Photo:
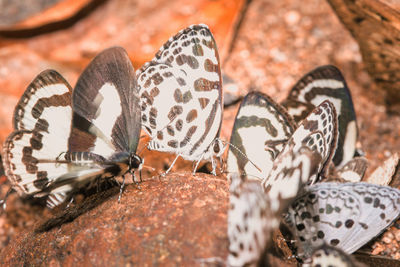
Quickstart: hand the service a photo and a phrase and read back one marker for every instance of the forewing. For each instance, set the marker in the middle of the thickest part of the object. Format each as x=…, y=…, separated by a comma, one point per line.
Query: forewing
x=346, y=216
x=261, y=129
x=250, y=224
x=291, y=171
x=106, y=106
x=193, y=53
x=45, y=106
x=318, y=132
x=326, y=83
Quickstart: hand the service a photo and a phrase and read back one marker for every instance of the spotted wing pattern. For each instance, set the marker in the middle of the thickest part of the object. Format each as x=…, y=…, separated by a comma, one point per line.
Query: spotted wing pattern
x=42, y=123
x=250, y=224
x=181, y=95
x=328, y=256
x=261, y=129
x=343, y=215
x=326, y=83
x=317, y=132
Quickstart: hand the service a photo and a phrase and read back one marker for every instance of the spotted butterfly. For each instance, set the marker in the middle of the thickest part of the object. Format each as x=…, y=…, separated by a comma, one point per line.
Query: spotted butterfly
x=343, y=215
x=253, y=214
x=261, y=129
x=326, y=83
x=328, y=256
x=181, y=97
x=318, y=132
x=64, y=140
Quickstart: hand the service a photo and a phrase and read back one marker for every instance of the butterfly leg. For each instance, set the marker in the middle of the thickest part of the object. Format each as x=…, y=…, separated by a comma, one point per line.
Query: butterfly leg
x=121, y=188
x=170, y=167
x=197, y=164
x=3, y=201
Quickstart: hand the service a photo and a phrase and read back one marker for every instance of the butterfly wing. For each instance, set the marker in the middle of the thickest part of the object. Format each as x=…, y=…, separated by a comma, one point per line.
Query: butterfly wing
x=250, y=224
x=318, y=132
x=42, y=121
x=346, y=216
x=166, y=103
x=290, y=172
x=353, y=170
x=106, y=106
x=328, y=256
x=326, y=83
x=193, y=53
x=261, y=129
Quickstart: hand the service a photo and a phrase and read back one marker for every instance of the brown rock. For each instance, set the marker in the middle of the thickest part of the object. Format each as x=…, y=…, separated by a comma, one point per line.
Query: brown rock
x=176, y=221
x=375, y=26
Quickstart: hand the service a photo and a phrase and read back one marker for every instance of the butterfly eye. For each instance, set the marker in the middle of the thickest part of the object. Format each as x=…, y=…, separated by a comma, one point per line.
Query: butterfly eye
x=135, y=161
x=217, y=148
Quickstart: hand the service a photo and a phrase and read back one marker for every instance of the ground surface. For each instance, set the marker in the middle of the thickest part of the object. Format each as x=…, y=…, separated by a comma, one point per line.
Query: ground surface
x=275, y=43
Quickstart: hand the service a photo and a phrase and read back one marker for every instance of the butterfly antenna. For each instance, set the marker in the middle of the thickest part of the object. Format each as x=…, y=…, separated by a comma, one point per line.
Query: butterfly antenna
x=248, y=175
x=241, y=153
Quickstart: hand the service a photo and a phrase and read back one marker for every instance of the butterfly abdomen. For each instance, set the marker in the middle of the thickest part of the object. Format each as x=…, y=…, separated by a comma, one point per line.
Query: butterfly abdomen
x=83, y=158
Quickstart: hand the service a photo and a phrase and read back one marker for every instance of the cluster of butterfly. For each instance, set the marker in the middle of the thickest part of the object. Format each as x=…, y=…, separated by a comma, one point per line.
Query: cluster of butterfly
x=295, y=164
x=68, y=139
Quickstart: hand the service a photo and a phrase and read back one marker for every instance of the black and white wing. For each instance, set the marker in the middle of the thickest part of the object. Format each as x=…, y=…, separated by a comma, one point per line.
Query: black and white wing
x=326, y=83
x=42, y=123
x=181, y=95
x=328, y=256
x=250, y=224
x=106, y=109
x=353, y=170
x=343, y=215
x=261, y=129
x=291, y=171
x=254, y=213
x=318, y=132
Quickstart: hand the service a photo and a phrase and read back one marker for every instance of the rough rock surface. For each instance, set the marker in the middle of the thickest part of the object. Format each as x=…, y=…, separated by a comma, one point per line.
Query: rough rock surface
x=178, y=220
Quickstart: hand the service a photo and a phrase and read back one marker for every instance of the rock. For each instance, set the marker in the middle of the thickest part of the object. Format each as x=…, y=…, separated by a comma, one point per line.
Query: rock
x=178, y=220
x=375, y=26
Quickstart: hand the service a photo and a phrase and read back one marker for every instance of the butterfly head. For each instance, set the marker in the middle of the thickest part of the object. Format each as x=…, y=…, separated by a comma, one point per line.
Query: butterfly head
x=135, y=162
x=218, y=147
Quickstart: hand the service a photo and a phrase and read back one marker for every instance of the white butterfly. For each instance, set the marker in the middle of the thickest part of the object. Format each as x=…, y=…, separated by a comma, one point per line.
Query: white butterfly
x=181, y=97
x=63, y=141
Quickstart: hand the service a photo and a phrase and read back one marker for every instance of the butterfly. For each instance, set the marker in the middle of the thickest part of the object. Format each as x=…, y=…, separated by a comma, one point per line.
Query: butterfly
x=64, y=140
x=343, y=215
x=181, y=97
x=328, y=256
x=261, y=129
x=254, y=214
x=326, y=83
x=318, y=132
